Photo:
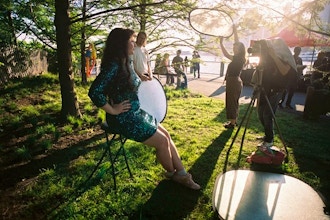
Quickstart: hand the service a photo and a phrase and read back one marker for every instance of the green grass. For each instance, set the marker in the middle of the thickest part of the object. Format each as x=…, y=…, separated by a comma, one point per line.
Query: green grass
x=49, y=162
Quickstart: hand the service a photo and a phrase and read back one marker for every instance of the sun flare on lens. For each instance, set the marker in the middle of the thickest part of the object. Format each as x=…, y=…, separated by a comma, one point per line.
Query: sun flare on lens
x=254, y=61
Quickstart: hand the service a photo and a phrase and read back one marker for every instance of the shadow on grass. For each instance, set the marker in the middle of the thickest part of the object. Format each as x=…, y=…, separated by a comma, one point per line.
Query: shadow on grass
x=36, y=83
x=24, y=133
x=171, y=200
x=315, y=167
x=309, y=142
x=13, y=175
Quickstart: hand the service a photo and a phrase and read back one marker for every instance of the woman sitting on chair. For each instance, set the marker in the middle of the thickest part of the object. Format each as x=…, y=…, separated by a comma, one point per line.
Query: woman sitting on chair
x=115, y=91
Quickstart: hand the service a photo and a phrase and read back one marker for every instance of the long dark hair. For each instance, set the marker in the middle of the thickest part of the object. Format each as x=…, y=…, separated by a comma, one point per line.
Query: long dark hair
x=241, y=51
x=115, y=50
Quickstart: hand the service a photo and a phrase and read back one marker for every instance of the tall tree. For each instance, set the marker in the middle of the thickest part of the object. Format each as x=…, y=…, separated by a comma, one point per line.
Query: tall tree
x=7, y=26
x=166, y=24
x=83, y=45
x=63, y=32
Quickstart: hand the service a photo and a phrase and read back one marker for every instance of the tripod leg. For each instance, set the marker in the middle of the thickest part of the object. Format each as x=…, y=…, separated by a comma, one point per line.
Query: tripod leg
x=278, y=128
x=235, y=136
x=243, y=137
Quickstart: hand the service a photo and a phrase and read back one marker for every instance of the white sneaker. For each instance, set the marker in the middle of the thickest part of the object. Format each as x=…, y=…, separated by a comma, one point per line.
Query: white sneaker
x=265, y=147
x=260, y=138
x=186, y=180
x=266, y=144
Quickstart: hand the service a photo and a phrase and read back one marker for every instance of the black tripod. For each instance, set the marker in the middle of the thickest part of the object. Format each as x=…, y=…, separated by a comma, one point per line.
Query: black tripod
x=259, y=90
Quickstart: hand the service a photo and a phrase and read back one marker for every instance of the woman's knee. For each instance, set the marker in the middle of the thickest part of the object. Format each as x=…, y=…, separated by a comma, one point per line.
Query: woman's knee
x=164, y=131
x=167, y=135
x=164, y=140
x=158, y=140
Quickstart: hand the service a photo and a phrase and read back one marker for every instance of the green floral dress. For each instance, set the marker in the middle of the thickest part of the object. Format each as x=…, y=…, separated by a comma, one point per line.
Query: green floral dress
x=136, y=124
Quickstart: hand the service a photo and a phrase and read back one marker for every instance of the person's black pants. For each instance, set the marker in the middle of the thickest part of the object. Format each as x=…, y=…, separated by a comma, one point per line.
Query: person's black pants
x=265, y=115
x=290, y=92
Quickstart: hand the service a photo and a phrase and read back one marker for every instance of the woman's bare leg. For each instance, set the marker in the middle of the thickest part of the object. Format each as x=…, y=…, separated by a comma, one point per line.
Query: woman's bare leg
x=161, y=142
x=176, y=160
x=169, y=158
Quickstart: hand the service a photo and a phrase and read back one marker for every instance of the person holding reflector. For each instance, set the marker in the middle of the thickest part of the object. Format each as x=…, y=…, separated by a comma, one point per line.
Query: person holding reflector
x=234, y=83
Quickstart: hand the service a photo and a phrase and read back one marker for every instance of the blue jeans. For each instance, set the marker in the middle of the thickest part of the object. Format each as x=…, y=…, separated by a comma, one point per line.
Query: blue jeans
x=265, y=115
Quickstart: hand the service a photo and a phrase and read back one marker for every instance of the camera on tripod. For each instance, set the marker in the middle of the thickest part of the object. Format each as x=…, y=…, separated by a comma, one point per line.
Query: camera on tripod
x=257, y=59
x=255, y=49
x=260, y=49
x=267, y=74
x=254, y=52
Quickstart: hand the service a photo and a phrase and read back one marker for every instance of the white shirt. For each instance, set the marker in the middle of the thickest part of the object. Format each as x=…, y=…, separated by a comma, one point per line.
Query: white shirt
x=141, y=60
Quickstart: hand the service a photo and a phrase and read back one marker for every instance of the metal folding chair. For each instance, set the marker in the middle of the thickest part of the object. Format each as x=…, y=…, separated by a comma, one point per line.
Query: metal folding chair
x=114, y=155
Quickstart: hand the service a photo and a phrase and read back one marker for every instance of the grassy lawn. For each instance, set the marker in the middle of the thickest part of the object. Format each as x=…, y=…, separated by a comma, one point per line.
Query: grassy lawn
x=45, y=164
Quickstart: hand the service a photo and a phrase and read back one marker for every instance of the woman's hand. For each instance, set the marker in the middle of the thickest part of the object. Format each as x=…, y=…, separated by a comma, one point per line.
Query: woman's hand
x=120, y=107
x=145, y=77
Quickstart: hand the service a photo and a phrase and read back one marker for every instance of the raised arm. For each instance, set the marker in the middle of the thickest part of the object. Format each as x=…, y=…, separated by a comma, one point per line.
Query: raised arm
x=235, y=34
x=224, y=51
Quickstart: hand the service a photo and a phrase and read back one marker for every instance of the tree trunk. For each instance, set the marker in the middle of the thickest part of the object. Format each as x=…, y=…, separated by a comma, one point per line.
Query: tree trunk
x=12, y=28
x=82, y=47
x=66, y=77
x=143, y=20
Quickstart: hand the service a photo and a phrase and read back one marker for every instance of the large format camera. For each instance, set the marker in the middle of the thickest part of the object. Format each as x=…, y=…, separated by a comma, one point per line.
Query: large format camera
x=260, y=60
x=266, y=73
x=255, y=49
x=259, y=49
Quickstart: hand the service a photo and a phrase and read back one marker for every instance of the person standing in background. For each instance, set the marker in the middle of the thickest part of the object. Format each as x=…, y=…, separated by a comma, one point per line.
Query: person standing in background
x=90, y=59
x=294, y=81
x=166, y=70
x=178, y=66
x=234, y=83
x=196, y=63
x=141, y=60
x=157, y=69
x=186, y=64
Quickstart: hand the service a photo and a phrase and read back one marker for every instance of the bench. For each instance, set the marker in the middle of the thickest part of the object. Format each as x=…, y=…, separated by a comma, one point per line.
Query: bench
x=181, y=85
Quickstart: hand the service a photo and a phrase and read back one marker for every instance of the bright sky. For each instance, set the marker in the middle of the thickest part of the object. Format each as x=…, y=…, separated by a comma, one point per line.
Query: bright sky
x=279, y=5
x=282, y=6
x=275, y=3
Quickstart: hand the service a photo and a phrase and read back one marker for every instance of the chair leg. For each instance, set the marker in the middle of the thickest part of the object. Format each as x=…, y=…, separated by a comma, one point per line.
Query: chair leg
x=123, y=140
x=112, y=160
x=114, y=157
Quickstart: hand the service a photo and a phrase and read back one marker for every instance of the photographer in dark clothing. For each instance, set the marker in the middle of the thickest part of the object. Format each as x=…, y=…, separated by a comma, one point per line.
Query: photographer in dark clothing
x=275, y=69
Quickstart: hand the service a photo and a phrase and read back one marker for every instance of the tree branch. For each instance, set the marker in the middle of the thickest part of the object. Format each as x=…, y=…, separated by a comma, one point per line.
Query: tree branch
x=296, y=22
x=118, y=9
